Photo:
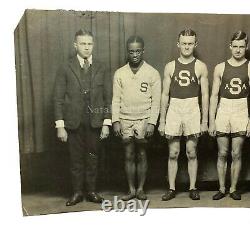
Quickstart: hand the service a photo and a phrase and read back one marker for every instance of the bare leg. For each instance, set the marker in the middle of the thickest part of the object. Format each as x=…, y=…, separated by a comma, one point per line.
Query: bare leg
x=142, y=165
x=130, y=165
x=174, y=150
x=237, y=144
x=223, y=146
x=191, y=146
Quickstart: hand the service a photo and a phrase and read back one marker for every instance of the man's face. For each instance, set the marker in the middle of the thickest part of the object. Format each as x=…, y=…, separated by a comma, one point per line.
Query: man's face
x=135, y=53
x=187, y=44
x=84, y=45
x=238, y=49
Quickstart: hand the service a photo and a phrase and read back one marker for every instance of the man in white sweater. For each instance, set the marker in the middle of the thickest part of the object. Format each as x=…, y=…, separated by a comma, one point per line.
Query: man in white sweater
x=135, y=110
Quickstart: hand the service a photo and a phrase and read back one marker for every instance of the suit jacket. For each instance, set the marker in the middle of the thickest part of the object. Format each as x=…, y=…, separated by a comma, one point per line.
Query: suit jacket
x=68, y=94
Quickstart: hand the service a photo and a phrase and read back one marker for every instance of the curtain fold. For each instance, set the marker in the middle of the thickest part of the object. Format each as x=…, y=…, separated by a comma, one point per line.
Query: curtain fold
x=44, y=39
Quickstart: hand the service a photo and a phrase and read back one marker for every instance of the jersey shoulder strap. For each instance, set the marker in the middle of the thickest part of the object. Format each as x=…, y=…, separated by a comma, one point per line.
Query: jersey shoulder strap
x=173, y=70
x=196, y=61
x=223, y=65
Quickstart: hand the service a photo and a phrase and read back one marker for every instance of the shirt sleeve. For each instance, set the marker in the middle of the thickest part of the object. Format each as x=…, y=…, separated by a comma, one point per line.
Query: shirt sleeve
x=59, y=123
x=116, y=101
x=156, y=98
x=107, y=122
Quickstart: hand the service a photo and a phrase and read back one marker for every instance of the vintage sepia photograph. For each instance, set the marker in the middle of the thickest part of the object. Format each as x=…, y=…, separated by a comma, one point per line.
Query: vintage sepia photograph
x=132, y=111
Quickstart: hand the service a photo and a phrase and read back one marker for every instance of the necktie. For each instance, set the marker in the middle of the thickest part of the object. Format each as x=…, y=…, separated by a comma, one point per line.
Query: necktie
x=85, y=66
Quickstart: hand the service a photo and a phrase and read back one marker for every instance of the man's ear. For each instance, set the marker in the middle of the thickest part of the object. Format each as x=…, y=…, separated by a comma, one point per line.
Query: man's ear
x=230, y=46
x=178, y=44
x=195, y=44
x=75, y=46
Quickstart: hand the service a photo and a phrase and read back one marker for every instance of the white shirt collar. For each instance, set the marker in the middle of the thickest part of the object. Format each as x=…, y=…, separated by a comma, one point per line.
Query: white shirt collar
x=81, y=60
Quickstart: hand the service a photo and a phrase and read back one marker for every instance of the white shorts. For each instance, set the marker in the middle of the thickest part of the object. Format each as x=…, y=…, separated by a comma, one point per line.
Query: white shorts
x=134, y=129
x=183, y=118
x=232, y=117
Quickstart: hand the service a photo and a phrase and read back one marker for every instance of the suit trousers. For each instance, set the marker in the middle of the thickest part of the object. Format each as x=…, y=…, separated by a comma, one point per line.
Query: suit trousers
x=84, y=145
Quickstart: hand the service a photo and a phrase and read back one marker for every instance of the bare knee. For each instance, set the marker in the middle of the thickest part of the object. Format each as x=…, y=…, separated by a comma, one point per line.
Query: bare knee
x=191, y=146
x=173, y=154
x=222, y=155
x=236, y=155
x=191, y=151
x=191, y=154
x=129, y=153
x=142, y=156
x=129, y=158
x=174, y=150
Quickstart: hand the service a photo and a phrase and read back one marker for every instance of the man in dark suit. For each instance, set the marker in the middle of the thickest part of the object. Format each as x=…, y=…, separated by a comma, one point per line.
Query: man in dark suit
x=82, y=102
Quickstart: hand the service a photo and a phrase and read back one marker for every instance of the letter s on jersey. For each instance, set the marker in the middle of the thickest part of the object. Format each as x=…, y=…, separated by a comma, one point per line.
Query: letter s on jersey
x=235, y=84
x=184, y=78
x=144, y=87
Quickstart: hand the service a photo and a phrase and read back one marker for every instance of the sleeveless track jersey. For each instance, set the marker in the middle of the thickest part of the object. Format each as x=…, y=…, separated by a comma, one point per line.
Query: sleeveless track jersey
x=235, y=81
x=184, y=82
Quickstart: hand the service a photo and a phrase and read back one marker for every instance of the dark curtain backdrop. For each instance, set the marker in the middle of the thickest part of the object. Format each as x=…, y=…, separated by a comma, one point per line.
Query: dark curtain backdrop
x=44, y=39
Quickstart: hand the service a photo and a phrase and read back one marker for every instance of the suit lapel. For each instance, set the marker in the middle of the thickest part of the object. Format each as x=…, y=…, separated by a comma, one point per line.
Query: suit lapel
x=95, y=67
x=75, y=67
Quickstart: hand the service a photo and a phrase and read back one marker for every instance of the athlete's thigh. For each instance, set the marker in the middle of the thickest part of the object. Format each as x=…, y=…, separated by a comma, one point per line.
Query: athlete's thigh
x=174, y=144
x=237, y=143
x=191, y=144
x=223, y=143
x=129, y=150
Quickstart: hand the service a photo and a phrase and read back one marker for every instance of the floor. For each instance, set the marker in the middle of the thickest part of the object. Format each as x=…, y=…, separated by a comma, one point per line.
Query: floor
x=45, y=203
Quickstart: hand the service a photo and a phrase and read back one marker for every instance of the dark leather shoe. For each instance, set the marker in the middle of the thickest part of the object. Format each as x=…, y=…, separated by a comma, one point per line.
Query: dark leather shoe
x=235, y=195
x=194, y=194
x=140, y=195
x=219, y=195
x=94, y=197
x=76, y=198
x=128, y=196
x=170, y=194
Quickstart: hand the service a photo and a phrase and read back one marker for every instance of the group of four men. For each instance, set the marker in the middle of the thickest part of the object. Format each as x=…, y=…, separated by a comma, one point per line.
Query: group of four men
x=83, y=114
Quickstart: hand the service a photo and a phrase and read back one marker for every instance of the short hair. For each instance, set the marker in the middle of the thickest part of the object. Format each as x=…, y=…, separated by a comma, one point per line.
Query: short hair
x=239, y=35
x=135, y=39
x=187, y=32
x=83, y=32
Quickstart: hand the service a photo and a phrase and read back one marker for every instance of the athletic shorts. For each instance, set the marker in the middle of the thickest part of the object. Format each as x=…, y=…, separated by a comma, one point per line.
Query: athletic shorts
x=232, y=117
x=134, y=129
x=183, y=118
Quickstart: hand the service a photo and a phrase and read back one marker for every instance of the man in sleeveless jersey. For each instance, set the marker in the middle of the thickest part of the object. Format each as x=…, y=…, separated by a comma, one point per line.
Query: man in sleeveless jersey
x=135, y=110
x=184, y=79
x=230, y=119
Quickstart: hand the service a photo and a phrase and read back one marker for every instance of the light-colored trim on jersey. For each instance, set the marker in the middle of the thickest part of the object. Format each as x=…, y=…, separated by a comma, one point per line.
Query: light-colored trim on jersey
x=223, y=69
x=172, y=73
